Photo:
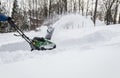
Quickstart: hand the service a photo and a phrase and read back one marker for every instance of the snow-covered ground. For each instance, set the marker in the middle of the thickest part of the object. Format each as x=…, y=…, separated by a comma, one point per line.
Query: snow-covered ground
x=83, y=51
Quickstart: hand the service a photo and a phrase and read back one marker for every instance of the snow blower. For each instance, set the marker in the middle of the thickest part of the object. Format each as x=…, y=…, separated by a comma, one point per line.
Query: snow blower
x=36, y=43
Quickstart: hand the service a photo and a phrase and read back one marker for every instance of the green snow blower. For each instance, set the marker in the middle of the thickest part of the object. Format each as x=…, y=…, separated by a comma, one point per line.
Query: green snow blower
x=36, y=43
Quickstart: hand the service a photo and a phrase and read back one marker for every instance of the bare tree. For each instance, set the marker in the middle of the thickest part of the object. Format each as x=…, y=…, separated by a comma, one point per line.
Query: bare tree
x=45, y=9
x=50, y=7
x=30, y=13
x=65, y=5
x=87, y=7
x=15, y=11
x=119, y=19
x=82, y=6
x=79, y=5
x=116, y=11
x=108, y=16
x=95, y=12
x=0, y=7
x=92, y=7
x=75, y=7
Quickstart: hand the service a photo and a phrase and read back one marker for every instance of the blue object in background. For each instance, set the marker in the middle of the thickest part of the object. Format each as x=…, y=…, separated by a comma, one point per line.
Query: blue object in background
x=3, y=17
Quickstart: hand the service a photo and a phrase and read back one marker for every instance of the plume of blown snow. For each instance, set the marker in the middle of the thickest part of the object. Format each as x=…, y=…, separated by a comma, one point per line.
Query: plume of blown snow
x=71, y=21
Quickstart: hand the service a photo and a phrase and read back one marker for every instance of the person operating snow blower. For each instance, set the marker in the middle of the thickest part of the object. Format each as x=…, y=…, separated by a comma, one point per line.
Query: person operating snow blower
x=37, y=43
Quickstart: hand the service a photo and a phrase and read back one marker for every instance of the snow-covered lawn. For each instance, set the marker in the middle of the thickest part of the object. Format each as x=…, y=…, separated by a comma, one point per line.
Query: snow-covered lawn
x=83, y=52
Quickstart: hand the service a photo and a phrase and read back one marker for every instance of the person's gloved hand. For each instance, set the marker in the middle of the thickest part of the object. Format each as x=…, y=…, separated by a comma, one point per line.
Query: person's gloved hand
x=9, y=19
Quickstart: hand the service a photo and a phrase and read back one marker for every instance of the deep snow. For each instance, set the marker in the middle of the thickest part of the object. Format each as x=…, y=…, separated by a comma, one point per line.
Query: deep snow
x=82, y=52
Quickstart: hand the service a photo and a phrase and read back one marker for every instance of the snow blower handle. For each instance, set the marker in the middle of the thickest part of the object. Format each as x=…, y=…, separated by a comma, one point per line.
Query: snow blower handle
x=12, y=24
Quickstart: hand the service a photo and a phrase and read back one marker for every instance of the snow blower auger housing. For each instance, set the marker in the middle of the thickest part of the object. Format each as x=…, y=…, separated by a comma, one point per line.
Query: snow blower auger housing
x=42, y=44
x=36, y=43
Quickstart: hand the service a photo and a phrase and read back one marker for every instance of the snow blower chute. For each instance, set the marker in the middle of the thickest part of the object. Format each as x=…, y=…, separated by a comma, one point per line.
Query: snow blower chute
x=36, y=43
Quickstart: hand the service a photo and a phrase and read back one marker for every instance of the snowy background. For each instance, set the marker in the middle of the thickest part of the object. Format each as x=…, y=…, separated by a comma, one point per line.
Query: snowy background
x=83, y=51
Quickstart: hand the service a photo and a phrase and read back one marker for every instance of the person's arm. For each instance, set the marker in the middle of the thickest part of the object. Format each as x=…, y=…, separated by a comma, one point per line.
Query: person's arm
x=4, y=18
